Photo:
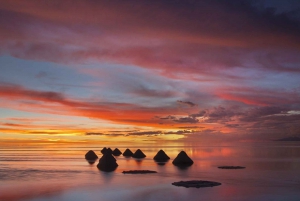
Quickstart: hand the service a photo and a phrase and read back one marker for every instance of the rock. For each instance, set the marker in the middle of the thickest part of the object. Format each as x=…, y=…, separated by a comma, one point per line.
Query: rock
x=139, y=172
x=103, y=150
x=196, y=184
x=108, y=150
x=107, y=163
x=182, y=159
x=116, y=152
x=90, y=155
x=138, y=154
x=161, y=156
x=127, y=152
x=231, y=167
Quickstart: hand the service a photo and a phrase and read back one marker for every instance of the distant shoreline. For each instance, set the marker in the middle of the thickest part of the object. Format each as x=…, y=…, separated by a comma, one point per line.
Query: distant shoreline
x=289, y=139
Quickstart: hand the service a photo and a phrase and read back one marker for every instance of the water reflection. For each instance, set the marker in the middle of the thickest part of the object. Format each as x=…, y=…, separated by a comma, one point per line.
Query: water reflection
x=161, y=163
x=106, y=177
x=272, y=173
x=91, y=162
x=138, y=161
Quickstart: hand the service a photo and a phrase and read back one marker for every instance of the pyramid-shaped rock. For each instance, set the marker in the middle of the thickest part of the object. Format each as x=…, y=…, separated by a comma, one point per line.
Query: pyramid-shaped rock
x=90, y=155
x=116, y=152
x=161, y=156
x=103, y=150
x=107, y=163
x=127, y=152
x=182, y=159
x=138, y=154
x=108, y=150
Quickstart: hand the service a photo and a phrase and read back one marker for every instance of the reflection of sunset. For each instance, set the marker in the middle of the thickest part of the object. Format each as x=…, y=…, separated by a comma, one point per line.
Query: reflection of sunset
x=212, y=152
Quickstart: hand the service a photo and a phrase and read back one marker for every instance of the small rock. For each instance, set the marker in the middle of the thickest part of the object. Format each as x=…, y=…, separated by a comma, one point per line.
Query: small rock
x=182, y=159
x=138, y=154
x=127, y=153
x=231, y=167
x=139, y=172
x=161, y=156
x=116, y=152
x=90, y=155
x=196, y=184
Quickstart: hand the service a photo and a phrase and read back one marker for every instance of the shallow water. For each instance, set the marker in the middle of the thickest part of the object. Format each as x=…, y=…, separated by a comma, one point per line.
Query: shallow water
x=53, y=173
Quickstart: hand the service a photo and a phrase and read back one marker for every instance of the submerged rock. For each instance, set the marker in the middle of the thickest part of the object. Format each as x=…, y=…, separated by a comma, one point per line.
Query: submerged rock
x=116, y=152
x=107, y=163
x=127, y=152
x=90, y=155
x=139, y=172
x=138, y=154
x=231, y=167
x=161, y=156
x=182, y=159
x=196, y=184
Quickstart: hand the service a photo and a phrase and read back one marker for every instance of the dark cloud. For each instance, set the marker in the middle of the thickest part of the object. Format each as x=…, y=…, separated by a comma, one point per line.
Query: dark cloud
x=179, y=132
x=94, y=133
x=188, y=103
x=11, y=90
x=190, y=127
x=145, y=133
x=170, y=117
x=103, y=134
x=186, y=120
x=144, y=91
x=200, y=114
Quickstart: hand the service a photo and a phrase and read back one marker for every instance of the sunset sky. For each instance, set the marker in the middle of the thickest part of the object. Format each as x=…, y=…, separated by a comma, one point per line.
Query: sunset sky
x=149, y=70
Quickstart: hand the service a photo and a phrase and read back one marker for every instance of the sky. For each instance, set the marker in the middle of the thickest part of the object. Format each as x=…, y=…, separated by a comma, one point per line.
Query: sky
x=149, y=71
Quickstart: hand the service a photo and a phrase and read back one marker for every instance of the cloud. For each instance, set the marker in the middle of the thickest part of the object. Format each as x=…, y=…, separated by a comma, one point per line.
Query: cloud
x=43, y=101
x=140, y=133
x=190, y=127
x=188, y=103
x=175, y=38
x=144, y=91
x=186, y=120
x=94, y=133
x=258, y=96
x=104, y=134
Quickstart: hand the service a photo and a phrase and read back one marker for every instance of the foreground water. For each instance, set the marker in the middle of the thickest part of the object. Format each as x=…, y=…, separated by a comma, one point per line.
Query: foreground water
x=52, y=173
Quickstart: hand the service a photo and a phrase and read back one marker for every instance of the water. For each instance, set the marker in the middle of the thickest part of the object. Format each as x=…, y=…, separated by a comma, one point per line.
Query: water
x=60, y=172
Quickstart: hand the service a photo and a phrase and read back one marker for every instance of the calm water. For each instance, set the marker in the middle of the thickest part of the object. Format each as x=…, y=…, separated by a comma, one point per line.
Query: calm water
x=52, y=173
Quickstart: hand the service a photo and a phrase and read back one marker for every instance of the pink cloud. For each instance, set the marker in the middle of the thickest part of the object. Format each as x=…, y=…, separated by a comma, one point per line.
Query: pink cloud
x=184, y=38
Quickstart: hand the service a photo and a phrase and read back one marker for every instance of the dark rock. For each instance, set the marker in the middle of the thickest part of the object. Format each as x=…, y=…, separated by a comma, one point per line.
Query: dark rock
x=139, y=172
x=108, y=150
x=231, y=167
x=182, y=159
x=107, y=163
x=196, y=184
x=138, y=154
x=90, y=155
x=116, y=152
x=127, y=152
x=161, y=156
x=103, y=150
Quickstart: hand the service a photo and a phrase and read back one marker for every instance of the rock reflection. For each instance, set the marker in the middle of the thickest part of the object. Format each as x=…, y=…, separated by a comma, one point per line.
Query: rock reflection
x=138, y=161
x=91, y=162
x=106, y=176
